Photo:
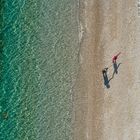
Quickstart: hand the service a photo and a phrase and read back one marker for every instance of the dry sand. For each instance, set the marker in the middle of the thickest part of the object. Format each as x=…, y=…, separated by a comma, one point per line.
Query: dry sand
x=111, y=113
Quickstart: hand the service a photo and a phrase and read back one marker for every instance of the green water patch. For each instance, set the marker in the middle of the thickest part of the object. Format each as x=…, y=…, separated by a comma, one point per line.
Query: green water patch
x=19, y=74
x=39, y=67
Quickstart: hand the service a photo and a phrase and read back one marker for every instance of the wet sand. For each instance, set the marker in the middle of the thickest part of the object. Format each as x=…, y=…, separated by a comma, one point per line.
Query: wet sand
x=88, y=90
x=108, y=113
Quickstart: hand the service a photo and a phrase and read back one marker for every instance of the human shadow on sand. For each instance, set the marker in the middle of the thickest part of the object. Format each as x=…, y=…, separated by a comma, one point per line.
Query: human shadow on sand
x=105, y=76
x=106, y=80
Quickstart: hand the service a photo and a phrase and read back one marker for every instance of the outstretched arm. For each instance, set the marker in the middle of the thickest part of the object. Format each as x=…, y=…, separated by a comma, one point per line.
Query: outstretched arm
x=118, y=54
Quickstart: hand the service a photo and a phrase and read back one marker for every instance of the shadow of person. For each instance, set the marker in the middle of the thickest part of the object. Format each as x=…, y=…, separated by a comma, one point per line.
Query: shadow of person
x=115, y=66
x=106, y=80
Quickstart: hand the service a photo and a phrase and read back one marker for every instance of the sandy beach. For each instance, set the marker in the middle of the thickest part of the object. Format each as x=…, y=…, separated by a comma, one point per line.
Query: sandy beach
x=103, y=113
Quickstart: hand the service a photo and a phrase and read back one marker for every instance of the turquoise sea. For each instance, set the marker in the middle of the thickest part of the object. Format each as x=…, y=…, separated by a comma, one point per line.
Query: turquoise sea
x=38, y=65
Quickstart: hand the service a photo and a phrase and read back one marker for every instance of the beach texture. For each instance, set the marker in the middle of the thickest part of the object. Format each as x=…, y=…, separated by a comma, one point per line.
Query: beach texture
x=51, y=58
x=109, y=113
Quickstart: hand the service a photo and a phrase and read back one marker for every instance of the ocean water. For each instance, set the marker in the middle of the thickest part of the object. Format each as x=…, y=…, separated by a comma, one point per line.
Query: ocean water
x=39, y=50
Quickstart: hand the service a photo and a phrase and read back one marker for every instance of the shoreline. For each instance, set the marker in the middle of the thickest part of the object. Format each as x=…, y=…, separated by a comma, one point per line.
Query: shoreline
x=79, y=91
x=88, y=97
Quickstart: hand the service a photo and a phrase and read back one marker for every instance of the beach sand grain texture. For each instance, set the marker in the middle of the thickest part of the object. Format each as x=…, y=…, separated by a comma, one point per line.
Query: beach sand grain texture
x=110, y=114
x=121, y=100
x=88, y=89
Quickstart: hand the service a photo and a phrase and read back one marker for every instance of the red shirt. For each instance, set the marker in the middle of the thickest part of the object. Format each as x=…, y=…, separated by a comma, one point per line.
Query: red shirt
x=114, y=58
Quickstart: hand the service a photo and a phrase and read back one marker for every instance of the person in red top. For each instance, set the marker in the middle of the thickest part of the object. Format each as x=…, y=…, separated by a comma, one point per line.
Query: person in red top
x=115, y=57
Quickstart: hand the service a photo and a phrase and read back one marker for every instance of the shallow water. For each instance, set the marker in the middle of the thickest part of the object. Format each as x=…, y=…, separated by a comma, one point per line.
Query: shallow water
x=39, y=62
